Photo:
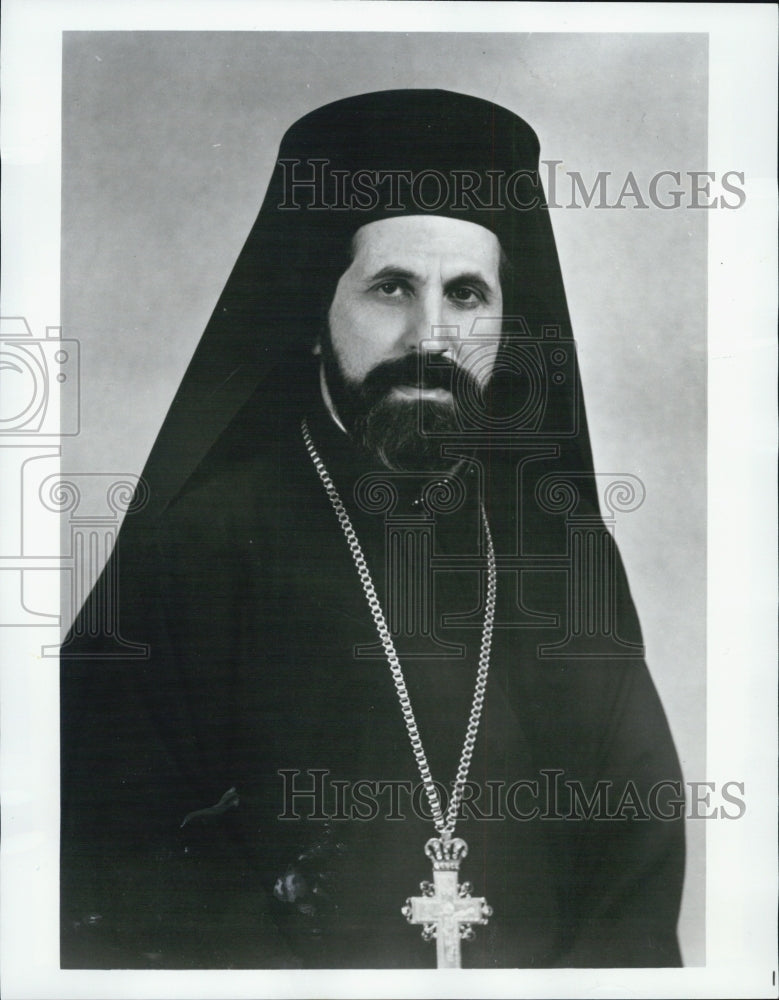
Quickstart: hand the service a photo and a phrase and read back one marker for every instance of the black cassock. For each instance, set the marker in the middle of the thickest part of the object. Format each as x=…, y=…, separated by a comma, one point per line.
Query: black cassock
x=187, y=838
x=183, y=843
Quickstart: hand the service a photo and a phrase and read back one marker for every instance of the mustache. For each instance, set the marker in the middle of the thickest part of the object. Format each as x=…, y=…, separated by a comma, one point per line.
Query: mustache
x=421, y=372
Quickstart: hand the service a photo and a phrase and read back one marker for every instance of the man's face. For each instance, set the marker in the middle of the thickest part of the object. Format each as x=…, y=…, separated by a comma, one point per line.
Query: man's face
x=410, y=277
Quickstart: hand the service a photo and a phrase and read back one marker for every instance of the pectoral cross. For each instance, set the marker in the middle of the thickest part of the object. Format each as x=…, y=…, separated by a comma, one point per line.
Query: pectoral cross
x=445, y=909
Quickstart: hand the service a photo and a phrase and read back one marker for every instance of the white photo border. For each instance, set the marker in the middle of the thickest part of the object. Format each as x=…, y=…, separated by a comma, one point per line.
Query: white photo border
x=741, y=878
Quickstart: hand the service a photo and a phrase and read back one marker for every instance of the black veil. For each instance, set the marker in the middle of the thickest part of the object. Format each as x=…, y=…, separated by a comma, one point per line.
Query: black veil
x=242, y=600
x=340, y=167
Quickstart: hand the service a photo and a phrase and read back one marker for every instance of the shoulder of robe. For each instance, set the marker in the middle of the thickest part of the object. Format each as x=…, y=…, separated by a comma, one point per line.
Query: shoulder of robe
x=246, y=485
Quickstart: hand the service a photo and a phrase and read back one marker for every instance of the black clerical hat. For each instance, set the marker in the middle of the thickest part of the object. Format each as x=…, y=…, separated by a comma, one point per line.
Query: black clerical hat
x=340, y=167
x=418, y=152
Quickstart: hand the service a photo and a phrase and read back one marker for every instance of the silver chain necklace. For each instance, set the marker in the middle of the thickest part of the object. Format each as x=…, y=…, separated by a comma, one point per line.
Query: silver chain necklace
x=445, y=909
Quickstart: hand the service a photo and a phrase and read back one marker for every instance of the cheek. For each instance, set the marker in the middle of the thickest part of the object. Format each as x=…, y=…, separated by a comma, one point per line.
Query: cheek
x=361, y=338
x=478, y=353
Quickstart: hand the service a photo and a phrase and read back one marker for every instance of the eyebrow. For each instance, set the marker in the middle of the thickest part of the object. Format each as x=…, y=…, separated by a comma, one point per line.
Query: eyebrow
x=465, y=278
x=393, y=271
x=470, y=278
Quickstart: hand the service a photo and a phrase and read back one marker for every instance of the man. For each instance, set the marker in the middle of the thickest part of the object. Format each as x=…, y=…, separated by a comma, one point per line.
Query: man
x=383, y=614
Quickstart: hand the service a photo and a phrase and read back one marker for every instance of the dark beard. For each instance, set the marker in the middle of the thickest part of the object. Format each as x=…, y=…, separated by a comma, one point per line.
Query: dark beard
x=405, y=435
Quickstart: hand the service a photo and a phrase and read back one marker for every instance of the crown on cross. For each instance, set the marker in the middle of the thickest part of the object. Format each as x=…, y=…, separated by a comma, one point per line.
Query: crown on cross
x=446, y=853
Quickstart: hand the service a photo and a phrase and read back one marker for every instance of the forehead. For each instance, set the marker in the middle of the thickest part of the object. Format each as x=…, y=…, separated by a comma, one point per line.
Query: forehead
x=418, y=240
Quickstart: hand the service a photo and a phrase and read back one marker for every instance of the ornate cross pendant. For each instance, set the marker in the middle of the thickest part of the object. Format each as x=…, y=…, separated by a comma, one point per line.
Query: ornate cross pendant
x=446, y=909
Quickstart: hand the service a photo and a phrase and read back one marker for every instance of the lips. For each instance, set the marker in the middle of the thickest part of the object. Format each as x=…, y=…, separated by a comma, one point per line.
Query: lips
x=433, y=381
x=418, y=391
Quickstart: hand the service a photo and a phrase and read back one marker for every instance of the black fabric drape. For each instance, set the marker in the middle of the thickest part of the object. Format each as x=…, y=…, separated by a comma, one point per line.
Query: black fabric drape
x=238, y=579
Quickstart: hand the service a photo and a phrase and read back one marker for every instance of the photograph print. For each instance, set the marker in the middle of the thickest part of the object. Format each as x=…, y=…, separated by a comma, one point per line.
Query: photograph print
x=396, y=346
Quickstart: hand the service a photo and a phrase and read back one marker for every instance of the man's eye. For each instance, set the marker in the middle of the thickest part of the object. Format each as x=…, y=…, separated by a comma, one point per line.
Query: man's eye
x=390, y=287
x=465, y=295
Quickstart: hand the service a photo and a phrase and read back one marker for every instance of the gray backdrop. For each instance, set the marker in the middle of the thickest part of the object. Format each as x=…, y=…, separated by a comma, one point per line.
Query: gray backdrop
x=168, y=144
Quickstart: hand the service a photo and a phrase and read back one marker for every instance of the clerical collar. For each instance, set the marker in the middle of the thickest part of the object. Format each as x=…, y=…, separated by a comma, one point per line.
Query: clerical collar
x=328, y=400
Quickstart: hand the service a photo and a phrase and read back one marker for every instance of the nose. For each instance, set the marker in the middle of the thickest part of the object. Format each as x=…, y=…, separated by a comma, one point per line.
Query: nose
x=426, y=324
